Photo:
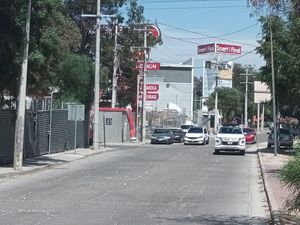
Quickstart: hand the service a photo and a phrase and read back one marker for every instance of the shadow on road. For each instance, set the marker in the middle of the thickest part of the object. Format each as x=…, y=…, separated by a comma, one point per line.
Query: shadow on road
x=219, y=220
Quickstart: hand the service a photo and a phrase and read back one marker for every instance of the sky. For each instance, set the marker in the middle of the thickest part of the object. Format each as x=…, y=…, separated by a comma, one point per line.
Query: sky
x=185, y=24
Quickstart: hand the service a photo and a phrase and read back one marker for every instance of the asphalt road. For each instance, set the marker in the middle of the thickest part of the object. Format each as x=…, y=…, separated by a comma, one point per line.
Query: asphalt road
x=151, y=184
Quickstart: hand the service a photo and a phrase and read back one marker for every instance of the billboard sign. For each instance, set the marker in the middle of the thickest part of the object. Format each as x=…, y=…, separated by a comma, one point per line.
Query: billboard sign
x=228, y=49
x=219, y=48
x=208, y=48
x=261, y=92
x=149, y=66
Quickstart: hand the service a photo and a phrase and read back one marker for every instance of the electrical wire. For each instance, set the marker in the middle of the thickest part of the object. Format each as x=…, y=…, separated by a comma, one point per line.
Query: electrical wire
x=184, y=1
x=206, y=35
x=196, y=7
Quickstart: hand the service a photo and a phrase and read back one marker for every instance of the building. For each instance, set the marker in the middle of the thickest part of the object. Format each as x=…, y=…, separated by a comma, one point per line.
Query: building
x=211, y=76
x=171, y=87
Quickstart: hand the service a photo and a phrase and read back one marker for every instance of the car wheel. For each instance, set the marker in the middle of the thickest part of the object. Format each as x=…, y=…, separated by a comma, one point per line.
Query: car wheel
x=242, y=152
x=269, y=146
x=217, y=151
x=207, y=142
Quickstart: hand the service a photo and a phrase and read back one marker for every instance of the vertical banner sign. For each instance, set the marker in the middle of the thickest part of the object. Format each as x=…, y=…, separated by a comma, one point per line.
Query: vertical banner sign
x=152, y=92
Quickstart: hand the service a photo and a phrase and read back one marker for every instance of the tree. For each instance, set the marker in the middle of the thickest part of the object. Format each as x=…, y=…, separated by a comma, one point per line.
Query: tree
x=75, y=78
x=129, y=38
x=228, y=102
x=286, y=44
x=52, y=36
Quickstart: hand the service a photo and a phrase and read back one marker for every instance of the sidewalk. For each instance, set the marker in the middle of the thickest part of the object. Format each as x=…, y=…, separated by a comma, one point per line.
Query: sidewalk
x=46, y=161
x=276, y=192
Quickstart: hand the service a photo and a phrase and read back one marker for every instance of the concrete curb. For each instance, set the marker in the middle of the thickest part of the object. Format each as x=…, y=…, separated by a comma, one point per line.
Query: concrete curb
x=273, y=208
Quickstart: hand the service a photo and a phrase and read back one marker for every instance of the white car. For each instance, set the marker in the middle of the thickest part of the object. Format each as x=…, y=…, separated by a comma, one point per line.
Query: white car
x=186, y=127
x=196, y=135
x=230, y=138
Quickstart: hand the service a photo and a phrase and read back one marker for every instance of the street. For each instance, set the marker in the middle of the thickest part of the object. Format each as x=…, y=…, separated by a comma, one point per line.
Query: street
x=140, y=185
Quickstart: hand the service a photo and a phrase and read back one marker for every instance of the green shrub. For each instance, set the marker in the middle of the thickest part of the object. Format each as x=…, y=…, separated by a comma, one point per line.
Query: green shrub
x=290, y=176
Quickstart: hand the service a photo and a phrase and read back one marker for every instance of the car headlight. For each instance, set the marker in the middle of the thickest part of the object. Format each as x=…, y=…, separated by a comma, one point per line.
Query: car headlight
x=218, y=139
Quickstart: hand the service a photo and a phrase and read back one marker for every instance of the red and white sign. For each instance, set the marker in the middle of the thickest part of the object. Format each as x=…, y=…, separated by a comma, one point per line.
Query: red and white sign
x=203, y=49
x=219, y=48
x=152, y=96
x=149, y=66
x=154, y=30
x=228, y=49
x=152, y=87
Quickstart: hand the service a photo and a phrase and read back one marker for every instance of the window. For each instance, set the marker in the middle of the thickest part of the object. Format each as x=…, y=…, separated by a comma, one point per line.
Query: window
x=108, y=121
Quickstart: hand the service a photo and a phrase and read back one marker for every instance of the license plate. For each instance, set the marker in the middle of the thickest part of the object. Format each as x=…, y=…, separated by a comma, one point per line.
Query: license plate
x=229, y=142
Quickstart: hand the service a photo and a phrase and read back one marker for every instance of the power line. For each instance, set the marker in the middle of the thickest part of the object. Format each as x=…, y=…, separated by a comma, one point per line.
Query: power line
x=166, y=1
x=196, y=7
x=184, y=1
x=206, y=35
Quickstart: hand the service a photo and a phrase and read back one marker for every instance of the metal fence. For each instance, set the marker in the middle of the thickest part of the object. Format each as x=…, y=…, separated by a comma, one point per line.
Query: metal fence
x=36, y=133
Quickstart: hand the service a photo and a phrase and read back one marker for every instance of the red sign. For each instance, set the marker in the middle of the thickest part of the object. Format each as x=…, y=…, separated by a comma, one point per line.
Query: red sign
x=152, y=87
x=203, y=49
x=154, y=30
x=219, y=48
x=229, y=49
x=149, y=66
x=152, y=96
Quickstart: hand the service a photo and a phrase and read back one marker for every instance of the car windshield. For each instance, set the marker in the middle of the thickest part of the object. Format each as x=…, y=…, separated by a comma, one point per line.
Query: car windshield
x=176, y=130
x=230, y=130
x=161, y=131
x=247, y=130
x=186, y=126
x=195, y=130
x=283, y=131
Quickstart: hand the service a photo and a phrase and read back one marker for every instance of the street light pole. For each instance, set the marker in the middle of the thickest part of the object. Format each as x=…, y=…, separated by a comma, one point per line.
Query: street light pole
x=273, y=92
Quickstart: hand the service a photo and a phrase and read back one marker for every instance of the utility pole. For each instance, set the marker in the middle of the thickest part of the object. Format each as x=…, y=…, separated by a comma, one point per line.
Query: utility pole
x=96, y=138
x=143, y=118
x=216, y=95
x=246, y=95
x=19, y=130
x=114, y=80
x=144, y=87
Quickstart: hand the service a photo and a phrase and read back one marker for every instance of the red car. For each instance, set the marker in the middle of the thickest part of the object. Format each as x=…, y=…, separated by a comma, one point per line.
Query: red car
x=250, y=135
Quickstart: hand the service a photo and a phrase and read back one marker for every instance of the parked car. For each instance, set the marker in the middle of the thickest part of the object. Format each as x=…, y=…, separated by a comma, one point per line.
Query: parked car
x=178, y=134
x=186, y=127
x=250, y=135
x=162, y=135
x=230, y=138
x=286, y=138
x=196, y=135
